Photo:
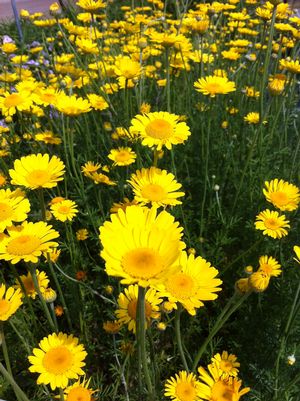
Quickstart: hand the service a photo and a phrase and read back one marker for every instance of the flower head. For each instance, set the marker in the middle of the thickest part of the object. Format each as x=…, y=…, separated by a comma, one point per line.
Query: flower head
x=64, y=210
x=269, y=266
x=272, y=224
x=183, y=387
x=123, y=156
x=14, y=207
x=10, y=301
x=282, y=194
x=28, y=283
x=214, y=85
x=58, y=359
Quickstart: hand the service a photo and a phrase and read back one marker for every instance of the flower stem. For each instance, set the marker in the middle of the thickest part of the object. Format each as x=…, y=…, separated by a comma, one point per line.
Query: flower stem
x=61, y=394
x=141, y=343
x=178, y=338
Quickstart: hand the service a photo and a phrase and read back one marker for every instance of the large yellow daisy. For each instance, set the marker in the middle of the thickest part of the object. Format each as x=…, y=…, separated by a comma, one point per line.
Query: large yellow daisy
x=10, y=103
x=140, y=245
x=37, y=171
x=214, y=388
x=195, y=282
x=10, y=301
x=183, y=387
x=159, y=129
x=14, y=207
x=155, y=186
x=127, y=302
x=58, y=359
x=272, y=224
x=282, y=194
x=27, y=242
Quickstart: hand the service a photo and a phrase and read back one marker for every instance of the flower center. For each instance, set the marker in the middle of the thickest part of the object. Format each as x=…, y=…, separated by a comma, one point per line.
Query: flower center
x=181, y=286
x=142, y=263
x=79, y=394
x=226, y=366
x=4, y=306
x=153, y=192
x=13, y=100
x=23, y=245
x=221, y=392
x=266, y=268
x=132, y=306
x=38, y=178
x=159, y=129
x=64, y=209
x=279, y=197
x=214, y=87
x=5, y=211
x=186, y=391
x=272, y=224
x=122, y=156
x=58, y=360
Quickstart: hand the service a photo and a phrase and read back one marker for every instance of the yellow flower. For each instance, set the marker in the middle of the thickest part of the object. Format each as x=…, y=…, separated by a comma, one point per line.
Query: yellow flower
x=72, y=105
x=277, y=84
x=195, y=282
x=48, y=137
x=155, y=186
x=87, y=45
x=82, y=234
x=97, y=102
x=8, y=47
x=253, y=118
x=10, y=103
x=64, y=210
x=49, y=295
x=127, y=302
x=127, y=68
x=37, y=171
x=282, y=194
x=122, y=205
x=27, y=242
x=123, y=156
x=58, y=359
x=227, y=364
x=159, y=129
x=10, y=301
x=79, y=391
x=214, y=85
x=214, y=388
x=183, y=387
x=242, y=286
x=297, y=252
x=91, y=5
x=272, y=224
x=269, y=266
x=112, y=327
x=292, y=66
x=140, y=245
x=28, y=283
x=259, y=281
x=13, y=208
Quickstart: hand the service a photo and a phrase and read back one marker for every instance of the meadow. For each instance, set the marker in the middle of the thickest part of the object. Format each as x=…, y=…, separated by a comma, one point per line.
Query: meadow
x=149, y=195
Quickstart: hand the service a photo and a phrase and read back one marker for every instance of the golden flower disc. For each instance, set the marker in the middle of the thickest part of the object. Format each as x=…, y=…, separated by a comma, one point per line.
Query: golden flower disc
x=132, y=307
x=159, y=129
x=58, y=360
x=279, y=197
x=154, y=192
x=79, y=394
x=38, y=178
x=4, y=306
x=185, y=391
x=180, y=285
x=23, y=245
x=142, y=263
x=221, y=391
x=226, y=365
x=13, y=100
x=271, y=224
x=5, y=211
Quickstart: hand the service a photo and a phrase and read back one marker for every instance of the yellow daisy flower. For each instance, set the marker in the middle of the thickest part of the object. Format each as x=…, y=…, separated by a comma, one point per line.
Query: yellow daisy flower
x=213, y=387
x=58, y=359
x=155, y=186
x=269, y=266
x=159, y=129
x=10, y=301
x=27, y=242
x=183, y=387
x=227, y=364
x=259, y=281
x=13, y=208
x=140, y=245
x=122, y=205
x=37, y=171
x=79, y=391
x=64, y=210
x=97, y=102
x=10, y=103
x=213, y=85
x=28, y=283
x=72, y=105
x=127, y=68
x=282, y=194
x=127, y=302
x=195, y=282
x=297, y=252
x=272, y=224
x=91, y=5
x=290, y=65
x=123, y=156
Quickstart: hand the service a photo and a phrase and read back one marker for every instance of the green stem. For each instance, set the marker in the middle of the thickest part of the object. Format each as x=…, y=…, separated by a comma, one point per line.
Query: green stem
x=229, y=309
x=141, y=341
x=61, y=394
x=168, y=81
x=4, y=349
x=18, y=391
x=178, y=338
x=283, y=340
x=42, y=203
x=21, y=337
